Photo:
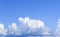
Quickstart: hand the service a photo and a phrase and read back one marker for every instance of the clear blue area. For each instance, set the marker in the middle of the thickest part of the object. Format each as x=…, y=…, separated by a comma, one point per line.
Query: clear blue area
x=46, y=10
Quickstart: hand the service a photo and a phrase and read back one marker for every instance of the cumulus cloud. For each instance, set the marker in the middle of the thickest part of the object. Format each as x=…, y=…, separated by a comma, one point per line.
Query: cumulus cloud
x=31, y=23
x=13, y=29
x=27, y=26
x=13, y=26
x=34, y=26
x=3, y=31
x=45, y=31
x=58, y=29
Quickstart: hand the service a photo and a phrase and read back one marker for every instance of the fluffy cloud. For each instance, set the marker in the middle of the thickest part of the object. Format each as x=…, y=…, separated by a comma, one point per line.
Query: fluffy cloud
x=27, y=26
x=13, y=26
x=3, y=31
x=34, y=26
x=13, y=29
x=45, y=31
x=58, y=29
x=31, y=23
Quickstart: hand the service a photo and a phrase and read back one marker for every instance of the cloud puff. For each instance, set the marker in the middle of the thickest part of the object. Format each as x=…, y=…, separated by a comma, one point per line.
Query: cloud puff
x=3, y=31
x=58, y=28
x=46, y=31
x=27, y=26
x=34, y=26
x=13, y=29
x=13, y=26
x=31, y=23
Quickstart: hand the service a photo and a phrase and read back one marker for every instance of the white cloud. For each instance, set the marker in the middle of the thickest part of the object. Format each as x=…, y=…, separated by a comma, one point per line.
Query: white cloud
x=13, y=26
x=3, y=31
x=45, y=31
x=24, y=20
x=27, y=26
x=13, y=29
x=34, y=26
x=58, y=29
x=31, y=23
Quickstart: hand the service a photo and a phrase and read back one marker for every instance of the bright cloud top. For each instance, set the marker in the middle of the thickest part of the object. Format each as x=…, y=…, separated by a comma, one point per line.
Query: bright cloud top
x=31, y=23
x=34, y=26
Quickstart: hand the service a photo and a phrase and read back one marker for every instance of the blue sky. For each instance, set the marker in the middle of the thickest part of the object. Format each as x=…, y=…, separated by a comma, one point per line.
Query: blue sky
x=46, y=10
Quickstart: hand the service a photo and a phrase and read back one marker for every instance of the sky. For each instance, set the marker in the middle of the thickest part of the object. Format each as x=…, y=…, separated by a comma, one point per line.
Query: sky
x=47, y=11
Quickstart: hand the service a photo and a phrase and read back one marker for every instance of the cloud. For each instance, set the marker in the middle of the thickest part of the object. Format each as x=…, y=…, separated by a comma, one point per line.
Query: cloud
x=3, y=31
x=58, y=28
x=13, y=26
x=45, y=31
x=31, y=23
x=26, y=26
x=13, y=29
x=34, y=26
